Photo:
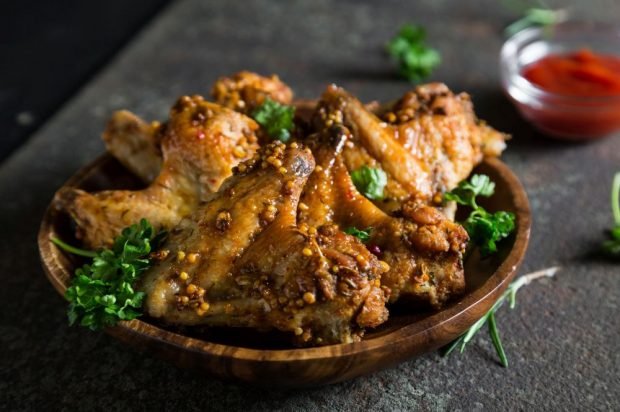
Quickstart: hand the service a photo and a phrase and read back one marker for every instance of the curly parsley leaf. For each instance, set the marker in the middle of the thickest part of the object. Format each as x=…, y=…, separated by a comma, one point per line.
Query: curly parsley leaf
x=369, y=181
x=485, y=229
x=415, y=59
x=276, y=119
x=465, y=193
x=361, y=234
x=102, y=292
x=611, y=247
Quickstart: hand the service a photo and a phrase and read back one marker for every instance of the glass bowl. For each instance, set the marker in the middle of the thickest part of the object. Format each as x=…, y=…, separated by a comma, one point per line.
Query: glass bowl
x=558, y=115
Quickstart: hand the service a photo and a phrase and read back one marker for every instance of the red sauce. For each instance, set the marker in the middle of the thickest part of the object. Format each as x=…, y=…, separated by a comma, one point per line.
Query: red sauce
x=570, y=77
x=581, y=73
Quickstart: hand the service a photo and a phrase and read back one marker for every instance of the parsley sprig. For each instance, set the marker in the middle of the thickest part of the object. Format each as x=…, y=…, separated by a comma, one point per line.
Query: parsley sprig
x=489, y=318
x=415, y=59
x=362, y=234
x=611, y=247
x=102, y=292
x=485, y=229
x=369, y=181
x=276, y=119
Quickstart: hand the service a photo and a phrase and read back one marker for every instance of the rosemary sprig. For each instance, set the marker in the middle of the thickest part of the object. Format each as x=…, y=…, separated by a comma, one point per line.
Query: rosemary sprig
x=489, y=317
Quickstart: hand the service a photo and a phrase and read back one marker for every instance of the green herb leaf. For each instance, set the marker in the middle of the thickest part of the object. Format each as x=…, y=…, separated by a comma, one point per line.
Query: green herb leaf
x=369, y=181
x=416, y=61
x=363, y=235
x=101, y=293
x=485, y=229
x=276, y=119
x=465, y=193
x=611, y=247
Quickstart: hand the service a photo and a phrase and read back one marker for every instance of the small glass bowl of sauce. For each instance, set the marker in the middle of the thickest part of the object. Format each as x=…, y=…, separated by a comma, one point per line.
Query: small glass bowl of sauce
x=565, y=79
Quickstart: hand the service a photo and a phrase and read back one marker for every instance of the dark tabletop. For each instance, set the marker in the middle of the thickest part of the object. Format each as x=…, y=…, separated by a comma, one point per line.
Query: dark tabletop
x=562, y=339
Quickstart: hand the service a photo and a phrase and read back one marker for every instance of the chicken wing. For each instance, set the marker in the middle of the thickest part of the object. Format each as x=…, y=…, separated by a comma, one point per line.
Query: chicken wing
x=422, y=248
x=427, y=143
x=135, y=144
x=202, y=142
x=244, y=91
x=241, y=260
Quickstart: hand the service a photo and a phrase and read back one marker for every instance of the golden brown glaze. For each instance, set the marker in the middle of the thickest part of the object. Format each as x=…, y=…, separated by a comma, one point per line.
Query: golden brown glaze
x=244, y=91
x=427, y=142
x=265, y=248
x=202, y=142
x=241, y=260
x=421, y=248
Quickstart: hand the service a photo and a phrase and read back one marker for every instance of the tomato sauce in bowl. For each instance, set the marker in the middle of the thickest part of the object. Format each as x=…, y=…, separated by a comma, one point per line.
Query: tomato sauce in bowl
x=565, y=90
x=581, y=73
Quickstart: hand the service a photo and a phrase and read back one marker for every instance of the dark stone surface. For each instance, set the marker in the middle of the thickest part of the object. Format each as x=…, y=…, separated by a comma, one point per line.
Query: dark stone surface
x=51, y=48
x=562, y=339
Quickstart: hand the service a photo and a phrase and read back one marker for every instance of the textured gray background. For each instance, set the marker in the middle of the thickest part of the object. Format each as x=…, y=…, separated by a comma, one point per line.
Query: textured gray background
x=563, y=339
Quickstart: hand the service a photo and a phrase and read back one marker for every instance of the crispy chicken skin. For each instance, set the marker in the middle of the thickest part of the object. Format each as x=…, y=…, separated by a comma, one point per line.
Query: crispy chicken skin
x=135, y=144
x=257, y=230
x=202, y=142
x=241, y=260
x=244, y=91
x=422, y=248
x=427, y=142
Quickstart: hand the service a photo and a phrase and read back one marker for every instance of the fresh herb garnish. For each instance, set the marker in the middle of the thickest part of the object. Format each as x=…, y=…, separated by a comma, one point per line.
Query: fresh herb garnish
x=361, y=234
x=276, y=119
x=415, y=59
x=485, y=229
x=489, y=317
x=101, y=293
x=369, y=181
x=611, y=247
x=536, y=16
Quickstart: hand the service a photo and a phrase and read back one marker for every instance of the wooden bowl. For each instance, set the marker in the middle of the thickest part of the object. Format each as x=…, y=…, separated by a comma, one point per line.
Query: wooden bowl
x=262, y=358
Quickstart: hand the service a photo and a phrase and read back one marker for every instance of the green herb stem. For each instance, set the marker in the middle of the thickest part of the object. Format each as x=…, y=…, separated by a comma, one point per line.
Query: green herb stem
x=615, y=198
x=489, y=317
x=72, y=249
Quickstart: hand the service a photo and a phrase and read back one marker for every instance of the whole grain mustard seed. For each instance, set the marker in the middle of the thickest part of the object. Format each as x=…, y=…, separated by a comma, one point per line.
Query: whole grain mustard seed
x=180, y=256
x=306, y=252
x=192, y=257
x=239, y=152
x=183, y=276
x=309, y=298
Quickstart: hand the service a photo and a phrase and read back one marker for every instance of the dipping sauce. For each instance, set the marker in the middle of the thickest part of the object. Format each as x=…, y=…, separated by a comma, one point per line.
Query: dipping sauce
x=581, y=73
x=582, y=94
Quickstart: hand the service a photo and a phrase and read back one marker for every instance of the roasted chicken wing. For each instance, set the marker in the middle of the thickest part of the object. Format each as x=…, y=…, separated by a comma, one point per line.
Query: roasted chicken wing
x=135, y=144
x=427, y=142
x=422, y=249
x=244, y=91
x=241, y=260
x=258, y=236
x=201, y=144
